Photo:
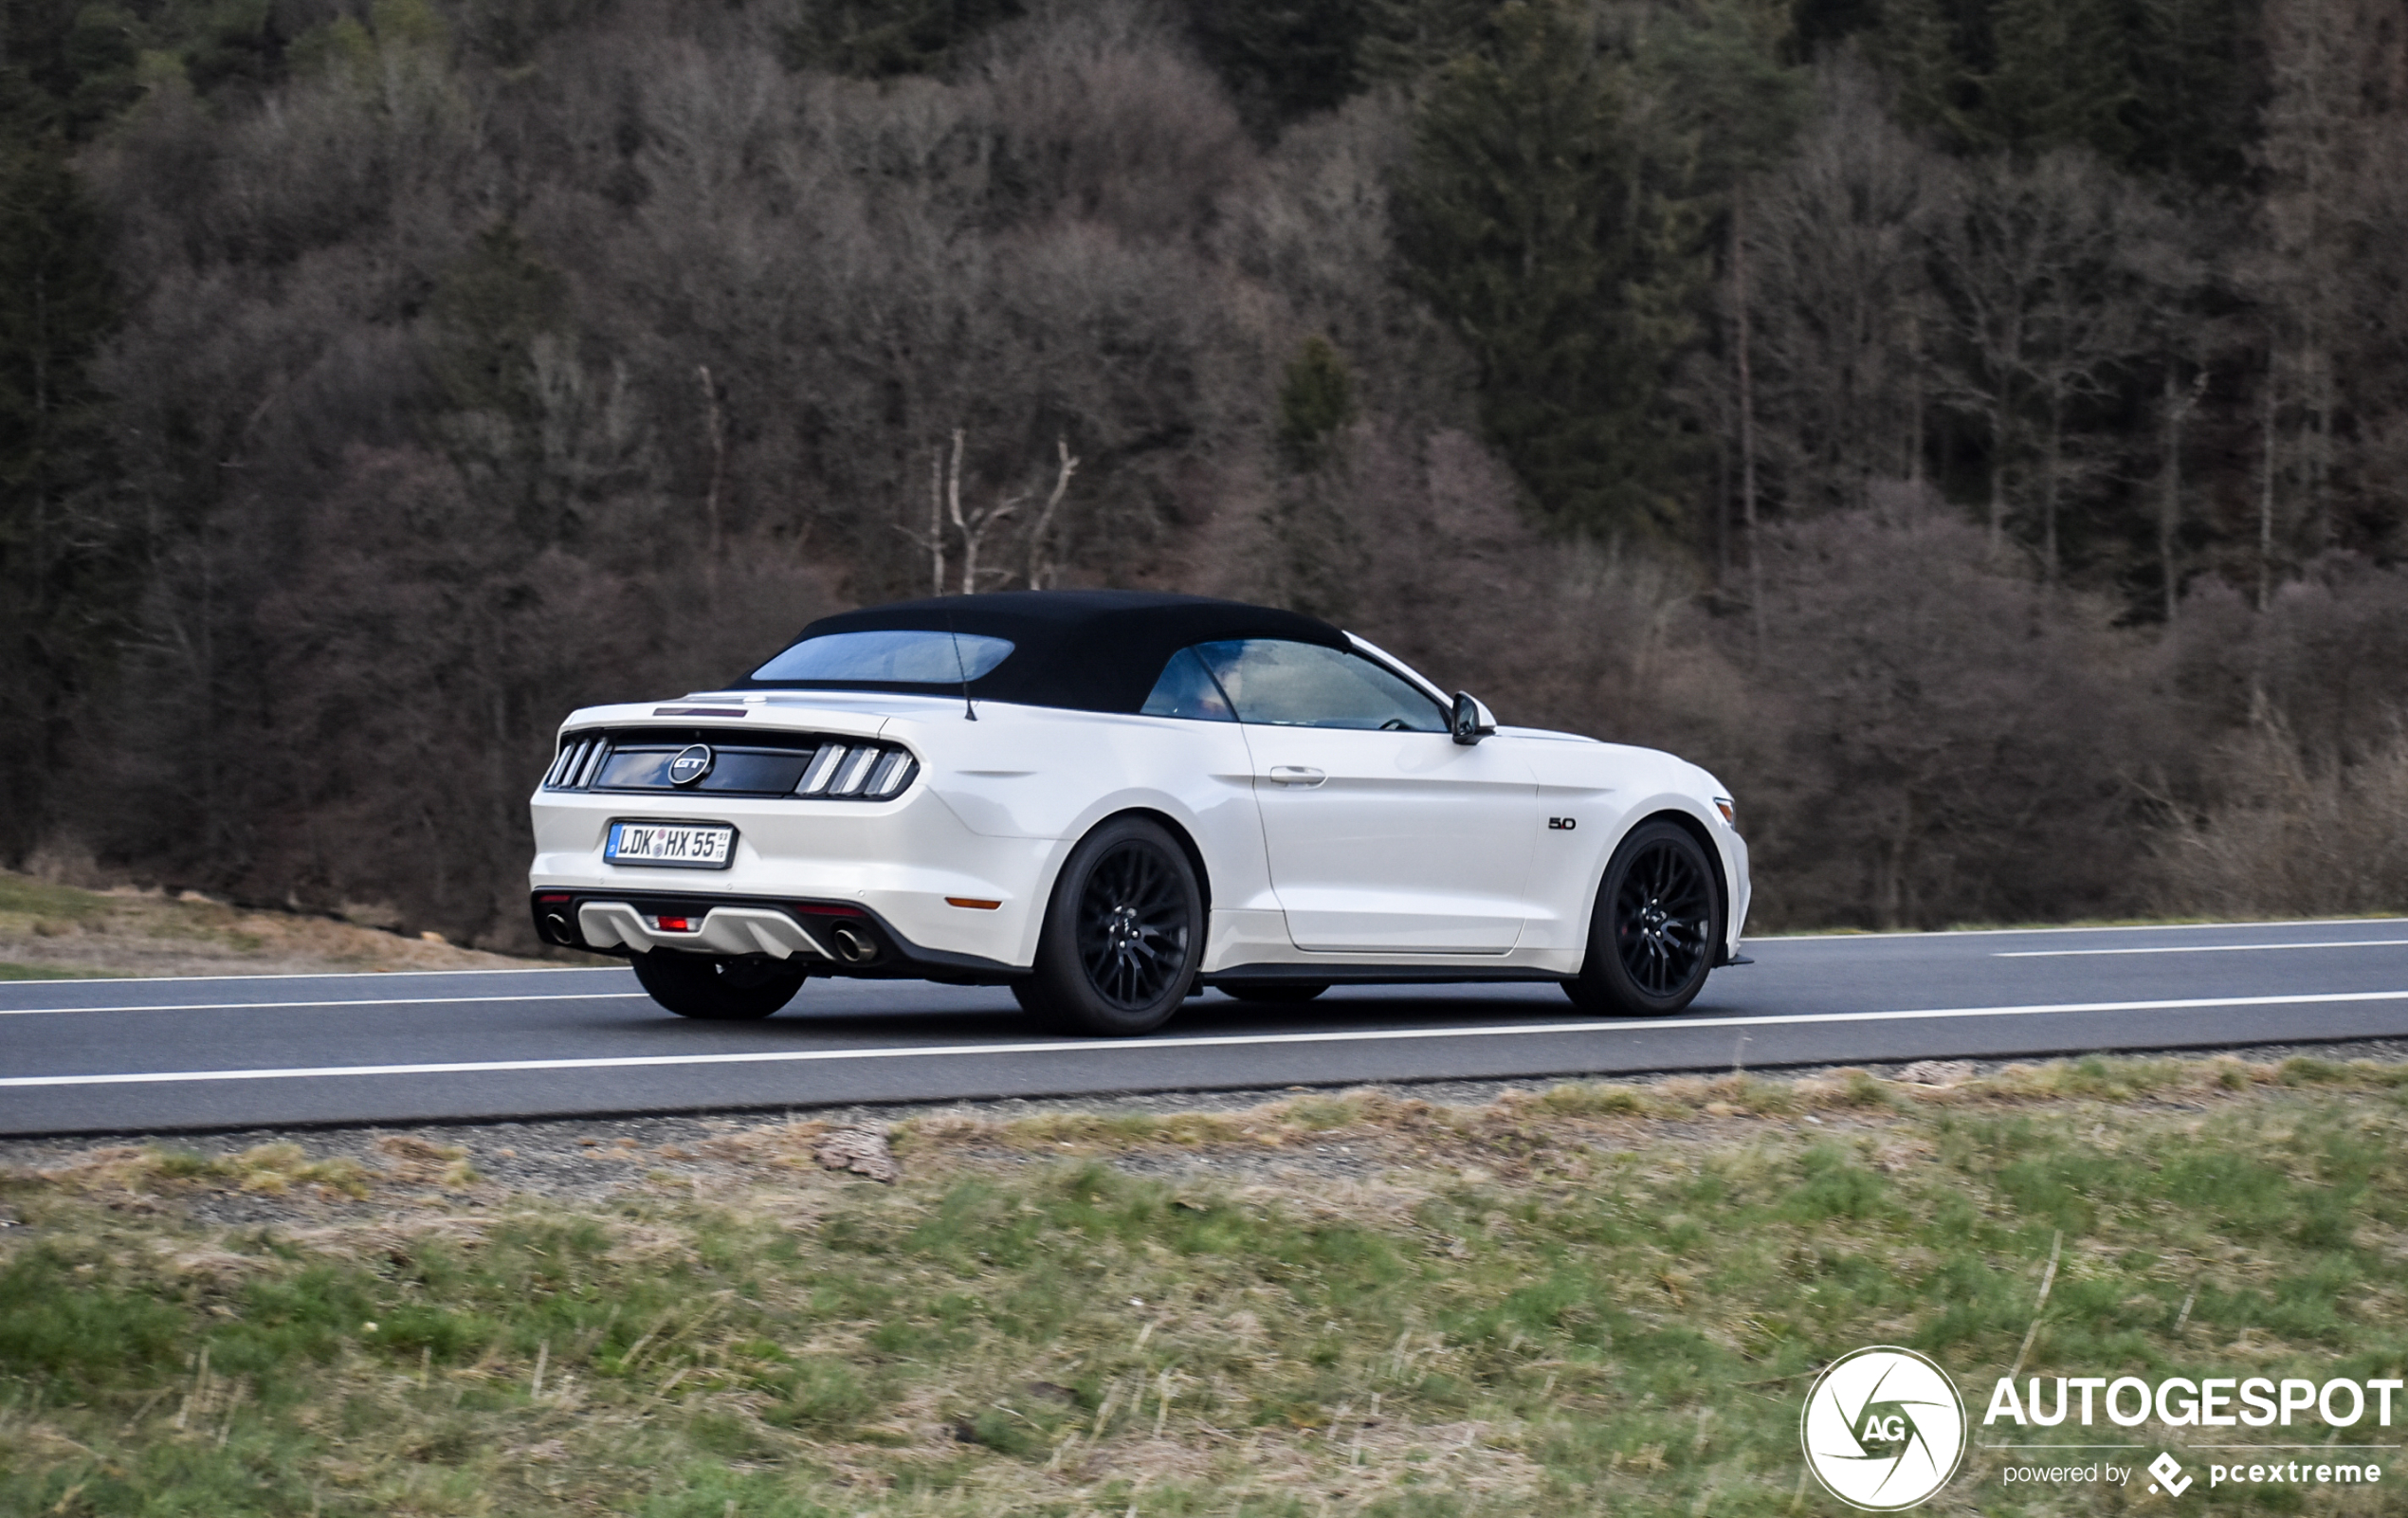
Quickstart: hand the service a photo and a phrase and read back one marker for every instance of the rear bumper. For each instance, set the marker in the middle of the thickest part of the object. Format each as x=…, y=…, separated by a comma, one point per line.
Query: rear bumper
x=909, y=864
x=829, y=938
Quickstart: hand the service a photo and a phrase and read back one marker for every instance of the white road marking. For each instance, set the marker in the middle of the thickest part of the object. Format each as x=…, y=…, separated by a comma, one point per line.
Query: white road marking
x=300, y=975
x=788, y=1056
x=2201, y=948
x=2097, y=927
x=301, y=1006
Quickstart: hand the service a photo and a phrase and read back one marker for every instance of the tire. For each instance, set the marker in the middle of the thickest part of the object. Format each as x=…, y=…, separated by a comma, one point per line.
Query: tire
x=1658, y=923
x=716, y=988
x=1123, y=935
x=1274, y=992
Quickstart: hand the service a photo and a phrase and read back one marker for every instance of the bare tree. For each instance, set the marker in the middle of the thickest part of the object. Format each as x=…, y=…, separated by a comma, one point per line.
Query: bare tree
x=1042, y=567
x=2336, y=125
x=2036, y=276
x=714, y=429
x=973, y=527
x=1837, y=241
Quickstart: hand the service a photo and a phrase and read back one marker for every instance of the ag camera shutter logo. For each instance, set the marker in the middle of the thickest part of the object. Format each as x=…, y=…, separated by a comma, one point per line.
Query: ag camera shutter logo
x=1884, y=1429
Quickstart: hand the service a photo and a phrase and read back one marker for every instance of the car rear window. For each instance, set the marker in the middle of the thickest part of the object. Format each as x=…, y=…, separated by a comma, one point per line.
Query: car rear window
x=889, y=658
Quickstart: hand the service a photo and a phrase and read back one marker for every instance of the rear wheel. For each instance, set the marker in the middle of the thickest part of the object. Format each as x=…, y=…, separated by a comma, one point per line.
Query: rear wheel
x=1275, y=993
x=1122, y=935
x=1658, y=921
x=716, y=988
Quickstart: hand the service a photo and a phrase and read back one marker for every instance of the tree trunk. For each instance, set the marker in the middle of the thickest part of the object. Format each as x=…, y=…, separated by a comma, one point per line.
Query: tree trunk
x=715, y=431
x=2266, y=492
x=1066, y=467
x=2169, y=502
x=1746, y=415
x=936, y=522
x=1914, y=369
x=2048, y=473
x=969, y=537
x=1997, y=470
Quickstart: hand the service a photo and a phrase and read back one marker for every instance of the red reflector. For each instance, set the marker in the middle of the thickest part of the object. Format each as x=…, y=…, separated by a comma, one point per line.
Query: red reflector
x=815, y=909
x=676, y=924
x=551, y=901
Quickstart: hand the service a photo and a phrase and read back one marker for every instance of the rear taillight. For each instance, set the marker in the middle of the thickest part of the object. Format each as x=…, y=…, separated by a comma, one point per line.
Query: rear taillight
x=868, y=772
x=580, y=755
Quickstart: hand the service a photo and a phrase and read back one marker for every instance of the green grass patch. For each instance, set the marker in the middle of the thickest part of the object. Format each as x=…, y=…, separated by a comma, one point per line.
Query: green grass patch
x=22, y=895
x=1592, y=1299
x=43, y=972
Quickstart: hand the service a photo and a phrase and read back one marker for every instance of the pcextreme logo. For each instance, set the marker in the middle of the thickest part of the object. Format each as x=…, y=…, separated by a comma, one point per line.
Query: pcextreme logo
x=1884, y=1429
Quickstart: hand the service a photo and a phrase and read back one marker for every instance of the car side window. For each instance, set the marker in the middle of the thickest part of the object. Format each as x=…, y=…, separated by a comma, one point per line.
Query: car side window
x=1188, y=689
x=1304, y=684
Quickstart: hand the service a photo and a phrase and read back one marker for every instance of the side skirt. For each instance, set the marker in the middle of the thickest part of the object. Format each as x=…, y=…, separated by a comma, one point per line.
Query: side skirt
x=1374, y=975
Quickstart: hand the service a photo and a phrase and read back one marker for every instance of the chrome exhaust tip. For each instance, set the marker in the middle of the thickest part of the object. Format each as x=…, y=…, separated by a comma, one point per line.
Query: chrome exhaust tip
x=852, y=946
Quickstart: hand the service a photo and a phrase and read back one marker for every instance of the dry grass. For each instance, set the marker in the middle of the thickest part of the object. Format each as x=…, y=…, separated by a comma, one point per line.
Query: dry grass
x=50, y=931
x=1594, y=1298
x=2294, y=834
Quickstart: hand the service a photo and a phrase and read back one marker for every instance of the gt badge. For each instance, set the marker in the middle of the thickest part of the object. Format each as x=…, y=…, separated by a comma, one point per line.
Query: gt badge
x=690, y=765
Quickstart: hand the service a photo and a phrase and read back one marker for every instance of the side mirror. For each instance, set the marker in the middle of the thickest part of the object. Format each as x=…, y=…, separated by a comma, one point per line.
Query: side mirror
x=1470, y=721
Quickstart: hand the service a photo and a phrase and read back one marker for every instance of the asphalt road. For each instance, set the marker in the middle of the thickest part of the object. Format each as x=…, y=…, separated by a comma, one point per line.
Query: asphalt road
x=111, y=1056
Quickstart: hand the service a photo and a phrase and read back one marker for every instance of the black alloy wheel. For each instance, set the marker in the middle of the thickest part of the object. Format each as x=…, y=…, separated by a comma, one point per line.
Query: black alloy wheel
x=1122, y=934
x=1657, y=924
x=1274, y=992
x=717, y=988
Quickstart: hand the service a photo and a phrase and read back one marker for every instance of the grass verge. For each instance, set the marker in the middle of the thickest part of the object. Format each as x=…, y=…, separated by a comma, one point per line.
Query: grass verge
x=50, y=931
x=1596, y=1299
x=46, y=972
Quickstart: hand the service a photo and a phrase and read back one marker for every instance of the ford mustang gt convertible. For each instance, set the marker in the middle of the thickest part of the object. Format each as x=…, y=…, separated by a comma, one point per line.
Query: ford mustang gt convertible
x=1108, y=800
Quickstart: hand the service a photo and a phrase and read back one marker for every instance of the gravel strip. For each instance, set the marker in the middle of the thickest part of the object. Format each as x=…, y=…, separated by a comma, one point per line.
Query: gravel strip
x=589, y=1159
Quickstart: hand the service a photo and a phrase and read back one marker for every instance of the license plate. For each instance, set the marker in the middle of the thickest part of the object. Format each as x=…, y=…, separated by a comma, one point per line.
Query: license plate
x=680, y=844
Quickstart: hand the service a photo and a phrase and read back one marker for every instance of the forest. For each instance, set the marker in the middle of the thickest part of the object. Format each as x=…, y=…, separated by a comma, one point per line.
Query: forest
x=1978, y=429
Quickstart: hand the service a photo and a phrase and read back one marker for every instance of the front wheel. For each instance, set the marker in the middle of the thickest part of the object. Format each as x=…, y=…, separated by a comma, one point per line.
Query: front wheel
x=721, y=990
x=1122, y=934
x=1658, y=921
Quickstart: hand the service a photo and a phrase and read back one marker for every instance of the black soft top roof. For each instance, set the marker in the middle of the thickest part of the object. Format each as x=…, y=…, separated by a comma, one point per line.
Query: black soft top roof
x=1086, y=651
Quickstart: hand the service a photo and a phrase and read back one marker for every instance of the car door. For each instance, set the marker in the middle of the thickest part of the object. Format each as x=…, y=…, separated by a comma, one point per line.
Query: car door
x=1384, y=836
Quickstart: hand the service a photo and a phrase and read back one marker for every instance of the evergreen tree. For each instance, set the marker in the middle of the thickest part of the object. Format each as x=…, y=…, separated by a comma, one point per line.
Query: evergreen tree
x=1283, y=59
x=881, y=39
x=1526, y=221
x=2191, y=111
x=2062, y=77
x=1316, y=399
x=1409, y=41
x=58, y=594
x=2163, y=86
x=487, y=313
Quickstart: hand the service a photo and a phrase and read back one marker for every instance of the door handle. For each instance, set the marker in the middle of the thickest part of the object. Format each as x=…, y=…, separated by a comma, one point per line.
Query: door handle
x=1303, y=775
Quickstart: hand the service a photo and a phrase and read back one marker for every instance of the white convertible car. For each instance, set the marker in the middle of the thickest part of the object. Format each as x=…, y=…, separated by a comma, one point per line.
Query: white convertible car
x=1108, y=800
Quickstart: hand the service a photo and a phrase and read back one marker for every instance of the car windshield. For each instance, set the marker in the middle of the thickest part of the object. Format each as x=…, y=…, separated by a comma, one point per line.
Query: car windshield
x=889, y=658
